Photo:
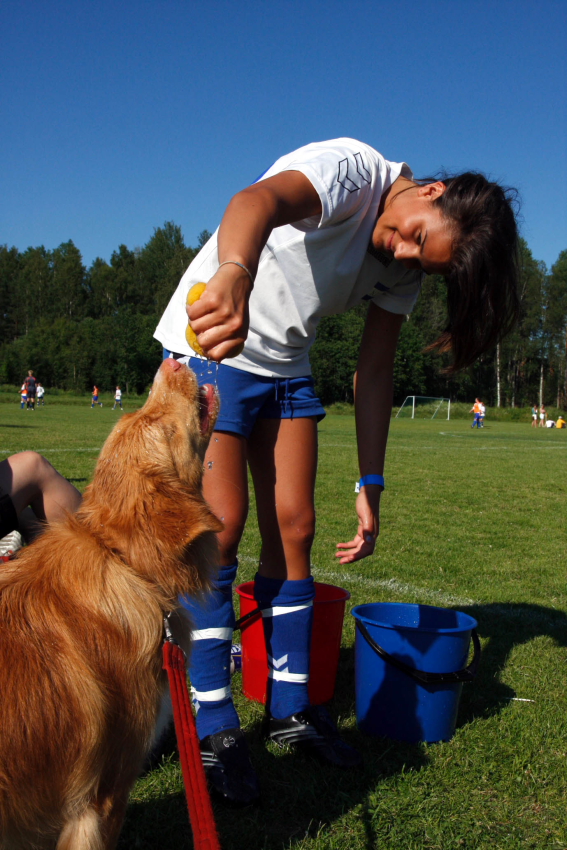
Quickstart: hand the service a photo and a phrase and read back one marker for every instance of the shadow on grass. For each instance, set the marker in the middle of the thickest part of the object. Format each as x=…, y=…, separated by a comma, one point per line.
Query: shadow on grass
x=506, y=625
x=162, y=823
x=299, y=795
x=2, y=425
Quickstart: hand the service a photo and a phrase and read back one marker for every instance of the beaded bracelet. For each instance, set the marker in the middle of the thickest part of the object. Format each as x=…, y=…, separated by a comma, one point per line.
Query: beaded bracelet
x=234, y=263
x=372, y=479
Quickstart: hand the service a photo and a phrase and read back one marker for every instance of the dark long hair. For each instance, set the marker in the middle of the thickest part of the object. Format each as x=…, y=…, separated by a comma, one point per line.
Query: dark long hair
x=482, y=282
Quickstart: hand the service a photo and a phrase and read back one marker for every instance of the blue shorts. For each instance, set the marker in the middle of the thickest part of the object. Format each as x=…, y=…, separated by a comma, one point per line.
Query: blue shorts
x=246, y=397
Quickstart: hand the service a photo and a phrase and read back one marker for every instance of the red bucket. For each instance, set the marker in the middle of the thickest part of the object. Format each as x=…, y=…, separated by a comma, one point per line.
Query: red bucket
x=328, y=615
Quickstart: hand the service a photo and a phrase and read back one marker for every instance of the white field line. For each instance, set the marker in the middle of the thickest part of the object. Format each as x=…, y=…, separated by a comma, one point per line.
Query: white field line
x=518, y=449
x=348, y=578
x=543, y=443
x=395, y=586
x=508, y=610
x=393, y=446
x=49, y=451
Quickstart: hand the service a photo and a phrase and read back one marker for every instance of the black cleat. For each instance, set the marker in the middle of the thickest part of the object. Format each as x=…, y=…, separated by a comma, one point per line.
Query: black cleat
x=228, y=767
x=313, y=731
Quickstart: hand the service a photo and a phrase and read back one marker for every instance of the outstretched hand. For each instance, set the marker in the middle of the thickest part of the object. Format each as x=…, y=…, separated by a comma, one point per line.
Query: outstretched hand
x=364, y=541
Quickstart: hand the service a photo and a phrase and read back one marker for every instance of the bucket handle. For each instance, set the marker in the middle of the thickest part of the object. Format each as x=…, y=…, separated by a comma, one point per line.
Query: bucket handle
x=249, y=616
x=467, y=674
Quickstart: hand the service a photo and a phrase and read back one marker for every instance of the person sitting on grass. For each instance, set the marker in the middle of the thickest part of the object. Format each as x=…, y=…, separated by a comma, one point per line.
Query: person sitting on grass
x=326, y=227
x=32, y=493
x=561, y=421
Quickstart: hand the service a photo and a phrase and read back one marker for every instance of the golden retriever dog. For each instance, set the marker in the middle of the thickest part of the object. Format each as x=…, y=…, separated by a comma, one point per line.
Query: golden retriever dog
x=82, y=620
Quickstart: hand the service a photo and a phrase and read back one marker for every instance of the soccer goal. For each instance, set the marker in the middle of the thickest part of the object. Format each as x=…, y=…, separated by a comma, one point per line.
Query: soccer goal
x=425, y=407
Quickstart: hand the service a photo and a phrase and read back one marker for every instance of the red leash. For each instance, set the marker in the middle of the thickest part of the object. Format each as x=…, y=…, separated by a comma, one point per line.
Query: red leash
x=205, y=836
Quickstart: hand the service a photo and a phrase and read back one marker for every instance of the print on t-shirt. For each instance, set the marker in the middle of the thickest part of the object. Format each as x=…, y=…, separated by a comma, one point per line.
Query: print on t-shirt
x=350, y=181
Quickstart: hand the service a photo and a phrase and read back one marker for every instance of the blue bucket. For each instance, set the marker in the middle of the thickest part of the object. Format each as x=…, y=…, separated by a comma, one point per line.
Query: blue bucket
x=410, y=668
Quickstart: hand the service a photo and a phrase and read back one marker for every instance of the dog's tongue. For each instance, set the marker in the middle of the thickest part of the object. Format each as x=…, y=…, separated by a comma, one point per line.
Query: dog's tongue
x=207, y=400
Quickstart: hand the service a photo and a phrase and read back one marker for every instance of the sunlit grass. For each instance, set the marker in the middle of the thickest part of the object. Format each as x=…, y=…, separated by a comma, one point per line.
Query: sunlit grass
x=470, y=519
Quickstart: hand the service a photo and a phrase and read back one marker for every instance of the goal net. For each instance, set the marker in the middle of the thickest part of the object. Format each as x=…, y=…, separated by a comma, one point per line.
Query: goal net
x=424, y=407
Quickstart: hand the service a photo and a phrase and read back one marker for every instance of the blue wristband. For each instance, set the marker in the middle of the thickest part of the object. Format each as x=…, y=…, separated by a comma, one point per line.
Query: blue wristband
x=372, y=479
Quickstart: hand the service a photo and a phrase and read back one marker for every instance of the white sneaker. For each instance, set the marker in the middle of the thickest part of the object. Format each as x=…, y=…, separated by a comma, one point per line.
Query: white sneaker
x=11, y=543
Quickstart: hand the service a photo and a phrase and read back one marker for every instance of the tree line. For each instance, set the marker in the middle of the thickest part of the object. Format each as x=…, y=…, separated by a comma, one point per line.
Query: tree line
x=77, y=326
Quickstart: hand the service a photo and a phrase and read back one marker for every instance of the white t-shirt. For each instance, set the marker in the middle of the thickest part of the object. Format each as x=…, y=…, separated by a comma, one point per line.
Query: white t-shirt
x=313, y=268
x=40, y=391
x=118, y=395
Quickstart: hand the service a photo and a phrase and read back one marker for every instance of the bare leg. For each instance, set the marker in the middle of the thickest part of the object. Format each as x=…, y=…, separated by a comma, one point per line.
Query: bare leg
x=283, y=461
x=228, y=767
x=29, y=479
x=225, y=486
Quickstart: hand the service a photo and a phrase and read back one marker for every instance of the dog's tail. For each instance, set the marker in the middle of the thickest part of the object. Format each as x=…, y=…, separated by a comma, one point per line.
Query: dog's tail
x=82, y=832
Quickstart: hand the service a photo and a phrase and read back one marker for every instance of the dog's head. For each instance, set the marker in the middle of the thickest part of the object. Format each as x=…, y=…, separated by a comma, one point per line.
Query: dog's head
x=145, y=500
x=186, y=413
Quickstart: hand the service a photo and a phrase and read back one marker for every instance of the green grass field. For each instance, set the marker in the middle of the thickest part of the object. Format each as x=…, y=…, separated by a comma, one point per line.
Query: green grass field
x=470, y=520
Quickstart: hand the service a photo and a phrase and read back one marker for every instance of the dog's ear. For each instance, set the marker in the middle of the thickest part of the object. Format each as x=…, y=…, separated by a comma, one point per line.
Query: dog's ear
x=174, y=542
x=181, y=517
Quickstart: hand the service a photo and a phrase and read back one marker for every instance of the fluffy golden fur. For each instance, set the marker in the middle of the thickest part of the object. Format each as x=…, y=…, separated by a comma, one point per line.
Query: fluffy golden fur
x=81, y=624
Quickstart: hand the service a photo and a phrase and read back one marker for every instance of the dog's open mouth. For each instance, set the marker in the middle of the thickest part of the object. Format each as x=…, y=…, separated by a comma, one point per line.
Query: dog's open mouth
x=207, y=403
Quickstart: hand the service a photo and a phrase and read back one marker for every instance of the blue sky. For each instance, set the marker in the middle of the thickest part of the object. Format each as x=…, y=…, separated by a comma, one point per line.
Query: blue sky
x=119, y=116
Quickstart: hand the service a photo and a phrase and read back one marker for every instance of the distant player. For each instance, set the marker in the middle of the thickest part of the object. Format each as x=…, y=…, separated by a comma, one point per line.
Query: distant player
x=482, y=414
x=534, y=416
x=95, y=397
x=476, y=409
x=542, y=416
x=40, y=394
x=23, y=396
x=118, y=398
x=31, y=387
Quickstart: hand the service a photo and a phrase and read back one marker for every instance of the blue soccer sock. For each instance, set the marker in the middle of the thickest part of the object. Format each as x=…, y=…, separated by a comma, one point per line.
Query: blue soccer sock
x=287, y=614
x=209, y=665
